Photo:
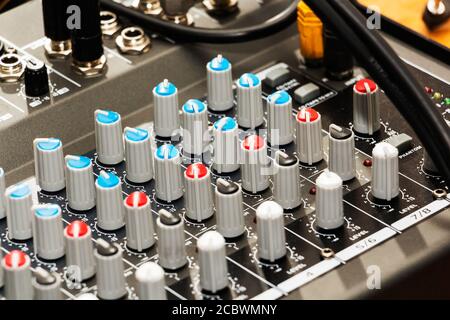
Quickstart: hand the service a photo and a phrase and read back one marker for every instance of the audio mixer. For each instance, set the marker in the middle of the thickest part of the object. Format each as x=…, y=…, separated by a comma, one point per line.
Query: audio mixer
x=136, y=166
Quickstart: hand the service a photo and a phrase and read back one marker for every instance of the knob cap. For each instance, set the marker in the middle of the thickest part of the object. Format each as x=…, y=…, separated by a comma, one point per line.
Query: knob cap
x=150, y=282
x=2, y=194
x=139, y=155
x=18, y=210
x=79, y=250
x=195, y=127
x=366, y=107
x=342, y=152
x=110, y=212
x=167, y=119
x=169, y=179
x=17, y=273
x=254, y=165
x=171, y=240
x=270, y=230
x=385, y=184
x=139, y=222
x=212, y=261
x=198, y=193
x=280, y=124
x=108, y=137
x=47, y=285
x=226, y=146
x=250, y=111
x=229, y=208
x=36, y=79
x=80, y=183
x=329, y=205
x=49, y=164
x=48, y=231
x=110, y=272
x=309, y=136
x=286, y=181
x=220, y=84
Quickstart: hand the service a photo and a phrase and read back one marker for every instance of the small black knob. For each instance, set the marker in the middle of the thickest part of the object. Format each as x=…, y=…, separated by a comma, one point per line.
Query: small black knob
x=55, y=19
x=36, y=79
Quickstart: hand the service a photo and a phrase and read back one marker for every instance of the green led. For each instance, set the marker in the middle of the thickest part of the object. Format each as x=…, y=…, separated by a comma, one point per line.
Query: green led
x=447, y=101
x=437, y=96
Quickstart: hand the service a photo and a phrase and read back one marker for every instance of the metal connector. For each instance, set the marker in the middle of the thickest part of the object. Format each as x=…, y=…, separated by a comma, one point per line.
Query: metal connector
x=12, y=68
x=109, y=24
x=176, y=11
x=58, y=49
x=89, y=68
x=133, y=40
x=221, y=6
x=150, y=7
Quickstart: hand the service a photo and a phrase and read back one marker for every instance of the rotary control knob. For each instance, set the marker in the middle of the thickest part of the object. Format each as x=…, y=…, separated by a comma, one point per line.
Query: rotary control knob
x=80, y=183
x=47, y=285
x=309, y=136
x=225, y=146
x=17, y=276
x=270, y=230
x=212, y=261
x=48, y=231
x=49, y=164
x=220, y=84
x=169, y=180
x=342, y=152
x=166, y=113
x=139, y=155
x=110, y=212
x=198, y=193
x=108, y=137
x=385, y=179
x=150, y=282
x=2, y=194
x=250, y=113
x=229, y=208
x=18, y=209
x=255, y=163
x=329, y=204
x=286, y=181
x=366, y=107
x=36, y=79
x=280, y=123
x=195, y=127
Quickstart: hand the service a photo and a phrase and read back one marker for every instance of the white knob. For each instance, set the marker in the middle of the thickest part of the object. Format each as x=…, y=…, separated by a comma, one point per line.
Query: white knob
x=342, y=152
x=195, y=127
x=2, y=194
x=108, y=137
x=270, y=230
x=286, y=181
x=309, y=136
x=385, y=185
x=229, y=208
x=226, y=146
x=280, y=121
x=47, y=285
x=220, y=84
x=166, y=113
x=17, y=276
x=212, y=261
x=18, y=210
x=168, y=175
x=49, y=164
x=198, y=193
x=48, y=231
x=366, y=107
x=250, y=113
x=255, y=164
x=150, y=282
x=80, y=183
x=139, y=222
x=110, y=211
x=138, y=155
x=329, y=204
x=171, y=240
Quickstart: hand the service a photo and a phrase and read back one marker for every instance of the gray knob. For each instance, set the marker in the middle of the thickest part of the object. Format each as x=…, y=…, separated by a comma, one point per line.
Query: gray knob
x=139, y=155
x=79, y=250
x=280, y=121
x=385, y=184
x=48, y=231
x=195, y=127
x=226, y=146
x=150, y=282
x=168, y=175
x=49, y=164
x=329, y=204
x=286, y=181
x=110, y=272
x=270, y=230
x=2, y=194
x=198, y=193
x=80, y=183
x=254, y=165
x=139, y=222
x=309, y=136
x=212, y=261
x=250, y=111
x=17, y=276
x=171, y=240
x=47, y=285
x=342, y=152
x=229, y=209
x=166, y=113
x=366, y=107
x=18, y=210
x=110, y=212
x=220, y=84
x=108, y=137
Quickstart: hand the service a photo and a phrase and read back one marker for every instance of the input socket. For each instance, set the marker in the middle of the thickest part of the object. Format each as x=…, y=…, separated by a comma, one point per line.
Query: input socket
x=109, y=24
x=134, y=41
x=12, y=68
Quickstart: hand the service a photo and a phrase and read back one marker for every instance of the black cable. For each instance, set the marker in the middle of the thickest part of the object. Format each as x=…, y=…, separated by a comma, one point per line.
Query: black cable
x=394, y=78
x=194, y=34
